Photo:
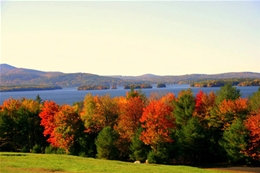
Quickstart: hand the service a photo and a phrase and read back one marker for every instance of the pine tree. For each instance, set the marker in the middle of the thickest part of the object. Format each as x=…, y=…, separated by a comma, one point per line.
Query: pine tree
x=105, y=142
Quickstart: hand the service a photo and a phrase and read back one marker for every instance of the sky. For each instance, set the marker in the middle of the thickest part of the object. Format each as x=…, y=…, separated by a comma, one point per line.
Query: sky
x=132, y=37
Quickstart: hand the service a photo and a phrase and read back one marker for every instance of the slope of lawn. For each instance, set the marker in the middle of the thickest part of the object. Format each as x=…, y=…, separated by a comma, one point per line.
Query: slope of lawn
x=45, y=163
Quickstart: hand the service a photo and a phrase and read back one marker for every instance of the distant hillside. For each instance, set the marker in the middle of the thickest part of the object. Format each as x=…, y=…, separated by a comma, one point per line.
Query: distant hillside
x=20, y=76
x=187, y=79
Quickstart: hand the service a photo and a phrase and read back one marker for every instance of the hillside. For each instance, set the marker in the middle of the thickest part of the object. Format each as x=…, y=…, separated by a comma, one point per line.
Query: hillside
x=47, y=163
x=20, y=76
x=11, y=75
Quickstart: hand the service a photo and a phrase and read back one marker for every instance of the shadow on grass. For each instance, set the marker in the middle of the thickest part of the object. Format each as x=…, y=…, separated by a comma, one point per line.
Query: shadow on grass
x=13, y=154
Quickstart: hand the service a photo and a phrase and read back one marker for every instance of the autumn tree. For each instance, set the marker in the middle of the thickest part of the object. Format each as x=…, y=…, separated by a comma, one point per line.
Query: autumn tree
x=228, y=111
x=204, y=103
x=9, y=131
x=47, y=116
x=253, y=125
x=157, y=121
x=20, y=124
x=130, y=114
x=99, y=112
x=67, y=125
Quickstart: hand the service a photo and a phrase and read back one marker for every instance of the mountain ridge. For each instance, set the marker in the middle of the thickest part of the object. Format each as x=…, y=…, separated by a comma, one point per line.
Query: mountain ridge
x=10, y=75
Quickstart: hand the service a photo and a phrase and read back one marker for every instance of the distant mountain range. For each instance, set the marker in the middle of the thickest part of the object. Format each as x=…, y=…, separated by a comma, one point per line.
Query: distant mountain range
x=10, y=75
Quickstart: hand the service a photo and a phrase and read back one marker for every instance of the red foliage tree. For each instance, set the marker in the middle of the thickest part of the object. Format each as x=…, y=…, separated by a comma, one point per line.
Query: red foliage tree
x=47, y=114
x=157, y=121
x=204, y=104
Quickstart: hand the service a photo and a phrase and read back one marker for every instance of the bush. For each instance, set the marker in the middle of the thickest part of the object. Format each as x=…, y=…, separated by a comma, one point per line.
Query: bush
x=153, y=157
x=36, y=149
x=49, y=150
x=53, y=150
x=161, y=156
x=25, y=149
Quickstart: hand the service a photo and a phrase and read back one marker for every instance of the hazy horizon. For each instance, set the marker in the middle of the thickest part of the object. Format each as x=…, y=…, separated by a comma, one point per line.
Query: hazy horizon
x=132, y=75
x=132, y=38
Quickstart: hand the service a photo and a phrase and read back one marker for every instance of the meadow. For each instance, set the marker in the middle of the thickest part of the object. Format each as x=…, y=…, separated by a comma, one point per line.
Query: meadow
x=45, y=163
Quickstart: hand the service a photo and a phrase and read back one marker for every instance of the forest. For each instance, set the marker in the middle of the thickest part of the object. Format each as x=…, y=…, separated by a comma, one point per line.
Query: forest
x=187, y=128
x=222, y=82
x=27, y=88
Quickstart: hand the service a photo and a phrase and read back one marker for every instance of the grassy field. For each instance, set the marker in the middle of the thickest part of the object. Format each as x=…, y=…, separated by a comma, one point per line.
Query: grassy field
x=46, y=163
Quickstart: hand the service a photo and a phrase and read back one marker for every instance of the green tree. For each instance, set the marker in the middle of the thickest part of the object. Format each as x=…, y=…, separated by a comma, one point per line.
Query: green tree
x=254, y=101
x=235, y=140
x=20, y=125
x=38, y=99
x=184, y=107
x=106, y=144
x=227, y=92
x=138, y=149
x=191, y=140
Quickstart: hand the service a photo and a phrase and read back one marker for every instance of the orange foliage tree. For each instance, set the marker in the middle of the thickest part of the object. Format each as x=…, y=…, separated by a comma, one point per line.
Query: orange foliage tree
x=230, y=110
x=253, y=125
x=67, y=125
x=130, y=114
x=99, y=112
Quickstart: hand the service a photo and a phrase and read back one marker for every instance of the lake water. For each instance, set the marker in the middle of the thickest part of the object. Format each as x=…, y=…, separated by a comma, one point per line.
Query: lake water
x=72, y=95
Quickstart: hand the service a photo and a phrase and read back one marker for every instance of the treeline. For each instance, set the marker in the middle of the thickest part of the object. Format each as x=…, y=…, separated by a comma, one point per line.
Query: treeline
x=28, y=88
x=222, y=82
x=93, y=87
x=169, y=129
x=138, y=86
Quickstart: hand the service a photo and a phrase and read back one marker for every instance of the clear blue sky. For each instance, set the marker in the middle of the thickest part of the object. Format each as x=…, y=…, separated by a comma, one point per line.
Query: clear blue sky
x=133, y=37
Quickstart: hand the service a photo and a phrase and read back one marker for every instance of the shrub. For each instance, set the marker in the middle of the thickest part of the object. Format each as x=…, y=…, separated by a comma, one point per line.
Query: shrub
x=25, y=149
x=153, y=157
x=53, y=150
x=36, y=149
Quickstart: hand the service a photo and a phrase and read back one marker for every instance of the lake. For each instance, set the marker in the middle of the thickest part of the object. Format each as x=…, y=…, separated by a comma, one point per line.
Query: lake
x=72, y=95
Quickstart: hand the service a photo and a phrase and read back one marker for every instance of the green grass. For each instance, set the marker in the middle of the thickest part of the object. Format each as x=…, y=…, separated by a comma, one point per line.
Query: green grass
x=46, y=163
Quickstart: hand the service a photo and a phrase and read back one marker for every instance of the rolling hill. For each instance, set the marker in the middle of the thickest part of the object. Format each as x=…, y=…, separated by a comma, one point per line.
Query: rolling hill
x=20, y=76
x=10, y=75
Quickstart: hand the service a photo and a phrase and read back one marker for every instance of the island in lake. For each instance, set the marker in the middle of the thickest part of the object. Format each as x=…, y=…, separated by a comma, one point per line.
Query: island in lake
x=222, y=82
x=93, y=87
x=161, y=85
x=28, y=88
x=138, y=86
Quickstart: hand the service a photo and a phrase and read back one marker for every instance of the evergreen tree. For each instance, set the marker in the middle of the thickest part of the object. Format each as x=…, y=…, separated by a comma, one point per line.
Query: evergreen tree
x=184, y=107
x=227, y=92
x=105, y=143
x=254, y=101
x=235, y=140
x=138, y=149
x=191, y=141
